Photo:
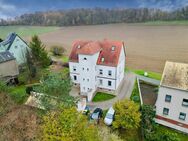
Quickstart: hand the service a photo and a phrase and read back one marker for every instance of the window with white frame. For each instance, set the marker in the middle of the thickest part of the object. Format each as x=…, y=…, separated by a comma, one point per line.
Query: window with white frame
x=165, y=111
x=182, y=116
x=185, y=102
x=75, y=77
x=74, y=68
x=100, y=81
x=168, y=98
x=109, y=83
x=110, y=73
x=100, y=71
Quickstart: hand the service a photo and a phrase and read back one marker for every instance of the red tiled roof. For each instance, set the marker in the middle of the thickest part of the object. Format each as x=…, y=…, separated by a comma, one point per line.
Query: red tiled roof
x=111, y=57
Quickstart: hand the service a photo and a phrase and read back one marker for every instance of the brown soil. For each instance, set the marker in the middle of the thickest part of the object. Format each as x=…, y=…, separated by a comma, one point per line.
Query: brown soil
x=149, y=93
x=148, y=47
x=18, y=123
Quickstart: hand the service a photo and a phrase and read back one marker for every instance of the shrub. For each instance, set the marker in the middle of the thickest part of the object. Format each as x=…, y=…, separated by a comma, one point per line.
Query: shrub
x=18, y=94
x=57, y=50
x=3, y=86
x=29, y=89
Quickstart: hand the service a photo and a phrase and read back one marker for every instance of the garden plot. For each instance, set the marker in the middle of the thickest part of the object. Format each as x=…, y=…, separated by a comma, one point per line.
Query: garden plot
x=148, y=93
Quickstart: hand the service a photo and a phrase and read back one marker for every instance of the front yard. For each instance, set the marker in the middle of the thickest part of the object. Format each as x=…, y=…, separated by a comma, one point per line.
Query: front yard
x=100, y=96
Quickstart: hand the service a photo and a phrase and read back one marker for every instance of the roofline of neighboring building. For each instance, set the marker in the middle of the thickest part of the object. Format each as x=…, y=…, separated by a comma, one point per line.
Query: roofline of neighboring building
x=173, y=88
x=96, y=64
x=8, y=60
x=14, y=39
x=169, y=86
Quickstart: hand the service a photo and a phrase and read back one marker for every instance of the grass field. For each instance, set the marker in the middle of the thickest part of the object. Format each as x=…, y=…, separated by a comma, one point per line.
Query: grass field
x=25, y=30
x=185, y=22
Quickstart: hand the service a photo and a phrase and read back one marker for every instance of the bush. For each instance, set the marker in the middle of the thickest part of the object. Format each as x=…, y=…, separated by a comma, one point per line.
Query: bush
x=18, y=94
x=29, y=89
x=136, y=99
x=57, y=50
x=3, y=86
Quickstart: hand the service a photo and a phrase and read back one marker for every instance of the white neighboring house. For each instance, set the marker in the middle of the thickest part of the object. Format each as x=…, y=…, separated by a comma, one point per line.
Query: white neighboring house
x=16, y=46
x=172, y=101
x=97, y=65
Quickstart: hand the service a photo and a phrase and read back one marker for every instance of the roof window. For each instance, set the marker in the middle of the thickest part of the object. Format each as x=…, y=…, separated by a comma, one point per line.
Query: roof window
x=78, y=46
x=102, y=59
x=113, y=48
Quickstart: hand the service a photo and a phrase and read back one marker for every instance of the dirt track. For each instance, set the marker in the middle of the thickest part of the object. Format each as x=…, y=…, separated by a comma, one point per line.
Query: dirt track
x=148, y=47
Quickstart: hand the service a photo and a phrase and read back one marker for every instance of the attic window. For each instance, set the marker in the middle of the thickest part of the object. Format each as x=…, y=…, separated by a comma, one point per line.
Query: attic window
x=113, y=48
x=102, y=59
x=78, y=46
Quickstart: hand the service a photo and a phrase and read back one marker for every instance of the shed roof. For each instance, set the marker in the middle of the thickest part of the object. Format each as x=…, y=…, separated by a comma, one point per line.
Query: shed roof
x=175, y=75
x=6, y=56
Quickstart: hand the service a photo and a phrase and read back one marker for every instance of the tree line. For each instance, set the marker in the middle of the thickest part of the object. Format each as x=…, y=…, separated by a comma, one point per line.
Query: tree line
x=96, y=16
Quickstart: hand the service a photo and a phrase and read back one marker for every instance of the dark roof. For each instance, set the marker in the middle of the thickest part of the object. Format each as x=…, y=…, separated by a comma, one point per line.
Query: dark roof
x=6, y=56
x=109, y=51
x=9, y=40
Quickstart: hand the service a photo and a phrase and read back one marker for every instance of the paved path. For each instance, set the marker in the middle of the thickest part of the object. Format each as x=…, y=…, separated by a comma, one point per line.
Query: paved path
x=149, y=80
x=125, y=92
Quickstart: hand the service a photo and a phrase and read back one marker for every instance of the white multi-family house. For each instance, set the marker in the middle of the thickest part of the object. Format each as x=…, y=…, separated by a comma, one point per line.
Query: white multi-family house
x=172, y=101
x=97, y=65
x=16, y=46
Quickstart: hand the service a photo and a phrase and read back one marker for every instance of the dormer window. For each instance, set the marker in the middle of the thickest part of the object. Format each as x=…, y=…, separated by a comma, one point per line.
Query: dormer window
x=102, y=59
x=113, y=48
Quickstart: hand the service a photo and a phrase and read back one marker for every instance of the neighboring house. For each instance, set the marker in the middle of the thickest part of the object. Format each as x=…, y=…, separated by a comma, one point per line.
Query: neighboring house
x=172, y=101
x=8, y=66
x=97, y=65
x=16, y=46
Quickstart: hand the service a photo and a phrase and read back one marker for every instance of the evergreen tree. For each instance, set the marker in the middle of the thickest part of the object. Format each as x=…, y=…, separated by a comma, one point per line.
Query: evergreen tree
x=39, y=53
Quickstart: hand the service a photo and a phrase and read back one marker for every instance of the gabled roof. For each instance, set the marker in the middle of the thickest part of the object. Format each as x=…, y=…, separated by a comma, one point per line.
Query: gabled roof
x=175, y=75
x=6, y=56
x=9, y=40
x=109, y=51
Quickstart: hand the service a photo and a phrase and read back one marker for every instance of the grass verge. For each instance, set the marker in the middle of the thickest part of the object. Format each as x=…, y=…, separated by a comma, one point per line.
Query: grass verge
x=100, y=96
x=151, y=74
x=181, y=136
x=181, y=22
x=135, y=94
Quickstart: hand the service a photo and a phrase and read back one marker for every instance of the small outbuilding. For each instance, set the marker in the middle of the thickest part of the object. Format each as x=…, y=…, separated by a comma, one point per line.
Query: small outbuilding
x=8, y=66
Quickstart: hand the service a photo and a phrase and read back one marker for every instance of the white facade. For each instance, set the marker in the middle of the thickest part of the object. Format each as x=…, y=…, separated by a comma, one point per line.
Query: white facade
x=175, y=105
x=90, y=76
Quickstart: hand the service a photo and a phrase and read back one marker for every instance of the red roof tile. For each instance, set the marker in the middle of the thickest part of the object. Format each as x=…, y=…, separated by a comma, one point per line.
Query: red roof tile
x=110, y=56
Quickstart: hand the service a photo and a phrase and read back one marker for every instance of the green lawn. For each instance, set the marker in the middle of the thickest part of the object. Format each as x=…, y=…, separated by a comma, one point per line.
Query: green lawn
x=25, y=30
x=183, y=22
x=181, y=136
x=100, y=96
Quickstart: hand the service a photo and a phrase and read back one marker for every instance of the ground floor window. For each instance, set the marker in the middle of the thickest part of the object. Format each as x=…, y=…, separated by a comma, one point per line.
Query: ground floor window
x=165, y=111
x=75, y=77
x=100, y=81
x=109, y=83
x=182, y=116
